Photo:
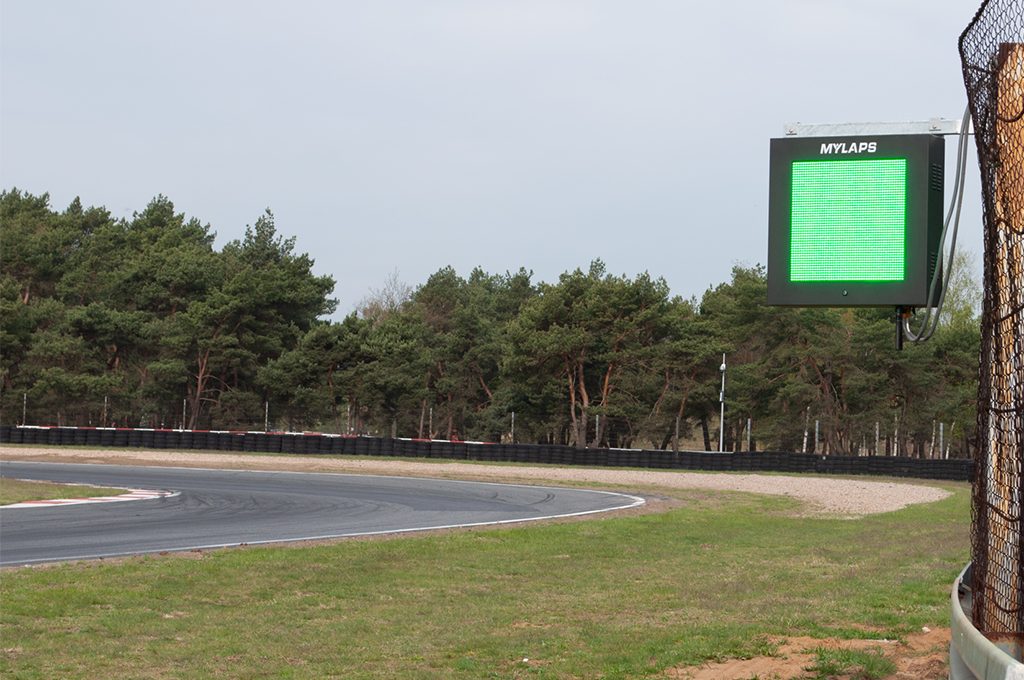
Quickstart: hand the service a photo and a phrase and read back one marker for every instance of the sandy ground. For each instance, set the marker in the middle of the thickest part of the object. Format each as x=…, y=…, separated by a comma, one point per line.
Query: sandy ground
x=921, y=656
x=849, y=498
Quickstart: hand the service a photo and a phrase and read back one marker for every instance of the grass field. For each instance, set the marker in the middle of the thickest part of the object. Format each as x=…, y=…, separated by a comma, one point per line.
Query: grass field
x=20, y=490
x=720, y=576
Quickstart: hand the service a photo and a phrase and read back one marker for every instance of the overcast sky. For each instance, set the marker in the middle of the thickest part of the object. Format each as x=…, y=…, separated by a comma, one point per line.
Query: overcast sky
x=411, y=135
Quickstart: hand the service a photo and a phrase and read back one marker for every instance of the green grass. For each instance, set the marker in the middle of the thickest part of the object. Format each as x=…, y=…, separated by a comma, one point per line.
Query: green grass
x=615, y=598
x=851, y=664
x=21, y=490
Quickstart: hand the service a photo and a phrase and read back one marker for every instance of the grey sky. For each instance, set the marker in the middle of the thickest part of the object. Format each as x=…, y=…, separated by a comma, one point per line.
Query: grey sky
x=416, y=134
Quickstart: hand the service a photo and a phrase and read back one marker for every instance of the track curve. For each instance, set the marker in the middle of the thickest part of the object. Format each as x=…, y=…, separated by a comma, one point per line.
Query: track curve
x=220, y=508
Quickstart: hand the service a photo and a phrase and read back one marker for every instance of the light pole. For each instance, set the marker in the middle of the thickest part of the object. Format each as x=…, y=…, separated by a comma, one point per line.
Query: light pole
x=721, y=418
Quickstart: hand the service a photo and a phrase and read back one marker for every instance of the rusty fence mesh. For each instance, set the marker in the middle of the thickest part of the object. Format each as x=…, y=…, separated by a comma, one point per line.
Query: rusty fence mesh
x=992, y=56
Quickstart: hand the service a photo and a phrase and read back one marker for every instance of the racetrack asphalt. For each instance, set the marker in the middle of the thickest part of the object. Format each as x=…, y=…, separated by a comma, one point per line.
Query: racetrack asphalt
x=220, y=508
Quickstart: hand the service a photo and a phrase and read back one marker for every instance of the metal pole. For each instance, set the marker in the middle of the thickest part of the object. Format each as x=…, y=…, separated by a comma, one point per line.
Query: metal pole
x=183, y=402
x=430, y=424
x=513, y=427
x=721, y=417
x=24, y=407
x=942, y=428
x=877, y=434
x=748, y=434
x=816, y=423
x=266, y=415
x=807, y=422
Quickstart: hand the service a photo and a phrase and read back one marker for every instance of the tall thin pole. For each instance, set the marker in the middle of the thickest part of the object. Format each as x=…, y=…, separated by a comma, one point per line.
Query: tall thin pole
x=513, y=427
x=807, y=424
x=266, y=415
x=748, y=434
x=24, y=407
x=183, y=402
x=721, y=417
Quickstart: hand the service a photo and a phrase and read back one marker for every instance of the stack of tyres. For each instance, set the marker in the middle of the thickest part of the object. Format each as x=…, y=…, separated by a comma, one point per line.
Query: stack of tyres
x=479, y=452
x=93, y=437
x=271, y=443
x=147, y=439
x=345, y=445
x=625, y=458
x=274, y=443
x=79, y=436
x=325, y=443
x=160, y=439
x=314, y=442
x=306, y=444
x=361, y=447
x=289, y=443
x=252, y=441
x=16, y=435
x=439, y=449
x=200, y=439
x=120, y=438
x=459, y=450
x=417, y=448
x=337, y=445
x=237, y=440
x=423, y=448
x=386, y=446
x=51, y=436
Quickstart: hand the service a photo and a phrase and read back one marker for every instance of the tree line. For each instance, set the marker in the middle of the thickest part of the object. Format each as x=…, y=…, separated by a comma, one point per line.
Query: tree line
x=143, y=322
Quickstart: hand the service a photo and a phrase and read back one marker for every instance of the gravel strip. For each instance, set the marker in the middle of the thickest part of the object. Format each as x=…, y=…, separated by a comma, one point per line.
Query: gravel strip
x=849, y=498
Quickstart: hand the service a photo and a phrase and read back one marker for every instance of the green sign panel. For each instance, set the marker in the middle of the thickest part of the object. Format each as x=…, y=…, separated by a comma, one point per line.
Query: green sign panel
x=854, y=221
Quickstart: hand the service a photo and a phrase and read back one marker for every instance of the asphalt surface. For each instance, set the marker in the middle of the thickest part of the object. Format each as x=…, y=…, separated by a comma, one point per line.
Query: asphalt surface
x=219, y=508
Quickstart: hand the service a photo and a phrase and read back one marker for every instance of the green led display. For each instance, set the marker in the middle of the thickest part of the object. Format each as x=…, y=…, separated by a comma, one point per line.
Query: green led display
x=848, y=220
x=854, y=221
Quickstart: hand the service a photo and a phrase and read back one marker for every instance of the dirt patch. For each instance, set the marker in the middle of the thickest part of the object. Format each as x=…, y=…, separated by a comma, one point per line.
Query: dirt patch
x=920, y=656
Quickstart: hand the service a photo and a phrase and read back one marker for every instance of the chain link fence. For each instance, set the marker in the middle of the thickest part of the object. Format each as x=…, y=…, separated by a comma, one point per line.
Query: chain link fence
x=992, y=55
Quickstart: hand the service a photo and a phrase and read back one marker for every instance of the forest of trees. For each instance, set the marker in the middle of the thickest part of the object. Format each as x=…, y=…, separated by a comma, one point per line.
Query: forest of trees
x=143, y=322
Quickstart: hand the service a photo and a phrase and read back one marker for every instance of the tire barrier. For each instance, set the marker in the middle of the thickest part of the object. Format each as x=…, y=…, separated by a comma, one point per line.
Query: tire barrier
x=314, y=443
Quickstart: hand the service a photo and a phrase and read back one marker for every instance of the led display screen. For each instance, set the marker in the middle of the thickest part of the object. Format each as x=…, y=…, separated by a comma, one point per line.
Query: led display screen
x=853, y=222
